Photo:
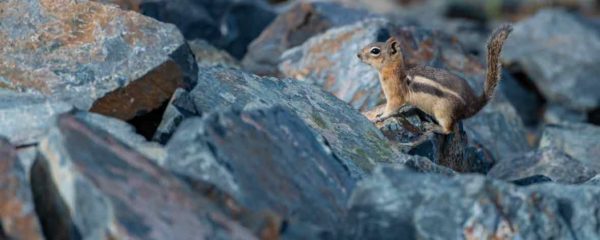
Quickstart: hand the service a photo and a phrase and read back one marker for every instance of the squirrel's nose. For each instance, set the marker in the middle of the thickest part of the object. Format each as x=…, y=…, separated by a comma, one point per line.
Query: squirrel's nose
x=358, y=56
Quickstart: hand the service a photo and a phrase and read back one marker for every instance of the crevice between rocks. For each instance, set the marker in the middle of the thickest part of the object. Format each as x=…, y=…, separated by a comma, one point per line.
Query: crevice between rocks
x=146, y=124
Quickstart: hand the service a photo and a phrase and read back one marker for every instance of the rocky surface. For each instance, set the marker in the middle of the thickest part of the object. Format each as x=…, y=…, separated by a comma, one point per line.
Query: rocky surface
x=558, y=51
x=577, y=140
x=419, y=206
x=89, y=185
x=265, y=159
x=291, y=28
x=18, y=219
x=356, y=142
x=207, y=55
x=329, y=60
x=547, y=162
x=93, y=56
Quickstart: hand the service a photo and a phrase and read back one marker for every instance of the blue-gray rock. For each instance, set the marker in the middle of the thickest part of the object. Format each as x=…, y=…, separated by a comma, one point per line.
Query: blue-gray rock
x=549, y=162
x=25, y=118
x=400, y=203
x=577, y=140
x=291, y=28
x=329, y=60
x=559, y=51
x=266, y=159
x=87, y=184
x=180, y=107
x=94, y=56
x=208, y=55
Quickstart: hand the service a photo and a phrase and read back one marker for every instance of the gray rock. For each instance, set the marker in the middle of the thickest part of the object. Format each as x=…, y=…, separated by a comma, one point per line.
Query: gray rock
x=426, y=206
x=207, y=55
x=18, y=219
x=264, y=159
x=556, y=114
x=353, y=139
x=94, y=56
x=26, y=117
x=329, y=60
x=577, y=140
x=549, y=162
x=227, y=24
x=559, y=51
x=87, y=184
x=291, y=28
x=180, y=107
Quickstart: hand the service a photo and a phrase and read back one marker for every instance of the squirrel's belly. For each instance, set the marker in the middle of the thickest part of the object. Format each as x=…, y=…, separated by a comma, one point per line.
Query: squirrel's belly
x=426, y=102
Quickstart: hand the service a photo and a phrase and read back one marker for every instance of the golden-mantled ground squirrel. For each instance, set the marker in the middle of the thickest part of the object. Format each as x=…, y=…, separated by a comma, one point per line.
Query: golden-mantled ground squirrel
x=437, y=92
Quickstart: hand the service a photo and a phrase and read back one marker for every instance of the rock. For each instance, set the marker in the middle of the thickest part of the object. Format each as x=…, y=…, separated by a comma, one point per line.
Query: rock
x=556, y=114
x=396, y=203
x=408, y=132
x=535, y=179
x=18, y=219
x=353, y=139
x=25, y=117
x=207, y=55
x=329, y=60
x=180, y=107
x=265, y=159
x=96, y=57
x=291, y=28
x=227, y=24
x=557, y=51
x=549, y=162
x=87, y=184
x=577, y=140
x=595, y=181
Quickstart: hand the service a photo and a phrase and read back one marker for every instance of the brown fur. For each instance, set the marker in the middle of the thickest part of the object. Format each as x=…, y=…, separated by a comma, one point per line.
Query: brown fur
x=437, y=92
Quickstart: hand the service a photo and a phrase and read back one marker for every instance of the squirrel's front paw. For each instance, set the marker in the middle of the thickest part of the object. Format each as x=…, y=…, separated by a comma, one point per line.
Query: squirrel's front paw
x=381, y=118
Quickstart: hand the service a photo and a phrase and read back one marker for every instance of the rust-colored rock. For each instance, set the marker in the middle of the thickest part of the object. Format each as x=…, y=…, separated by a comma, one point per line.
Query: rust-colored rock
x=95, y=56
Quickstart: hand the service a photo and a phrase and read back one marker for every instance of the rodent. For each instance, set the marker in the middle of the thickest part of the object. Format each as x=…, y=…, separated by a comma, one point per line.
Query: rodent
x=437, y=92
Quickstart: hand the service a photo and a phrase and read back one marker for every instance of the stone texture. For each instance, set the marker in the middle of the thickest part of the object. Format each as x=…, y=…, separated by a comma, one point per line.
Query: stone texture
x=25, y=118
x=180, y=107
x=426, y=206
x=291, y=28
x=353, y=139
x=559, y=52
x=265, y=159
x=91, y=55
x=329, y=60
x=577, y=140
x=18, y=219
x=89, y=185
x=227, y=24
x=549, y=162
x=208, y=55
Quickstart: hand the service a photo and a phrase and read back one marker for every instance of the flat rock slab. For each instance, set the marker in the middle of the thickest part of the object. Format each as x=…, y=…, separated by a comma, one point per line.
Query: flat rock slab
x=94, y=56
x=549, y=162
x=266, y=159
x=18, y=218
x=577, y=140
x=24, y=118
x=329, y=60
x=89, y=185
x=560, y=52
x=427, y=206
x=353, y=139
x=291, y=28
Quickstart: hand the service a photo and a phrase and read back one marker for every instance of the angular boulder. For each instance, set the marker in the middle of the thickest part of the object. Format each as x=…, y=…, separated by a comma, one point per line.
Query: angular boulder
x=353, y=139
x=208, y=55
x=24, y=118
x=18, y=219
x=265, y=159
x=559, y=51
x=87, y=184
x=94, y=56
x=577, y=140
x=549, y=162
x=291, y=28
x=396, y=203
x=329, y=60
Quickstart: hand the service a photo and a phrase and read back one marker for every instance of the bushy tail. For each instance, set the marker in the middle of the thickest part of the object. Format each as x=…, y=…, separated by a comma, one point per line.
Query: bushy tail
x=494, y=68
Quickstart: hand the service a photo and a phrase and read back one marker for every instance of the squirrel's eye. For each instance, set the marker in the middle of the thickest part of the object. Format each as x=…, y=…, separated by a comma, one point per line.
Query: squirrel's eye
x=375, y=51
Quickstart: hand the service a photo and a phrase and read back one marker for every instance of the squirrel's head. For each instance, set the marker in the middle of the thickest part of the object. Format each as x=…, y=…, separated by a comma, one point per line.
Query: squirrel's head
x=381, y=54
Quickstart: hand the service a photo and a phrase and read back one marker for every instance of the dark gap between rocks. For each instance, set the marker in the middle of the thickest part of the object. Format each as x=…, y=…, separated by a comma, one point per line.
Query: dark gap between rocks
x=465, y=11
x=527, y=83
x=147, y=123
x=50, y=208
x=594, y=117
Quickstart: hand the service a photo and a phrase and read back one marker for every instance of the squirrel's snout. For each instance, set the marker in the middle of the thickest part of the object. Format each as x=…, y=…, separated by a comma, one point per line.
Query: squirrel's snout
x=359, y=56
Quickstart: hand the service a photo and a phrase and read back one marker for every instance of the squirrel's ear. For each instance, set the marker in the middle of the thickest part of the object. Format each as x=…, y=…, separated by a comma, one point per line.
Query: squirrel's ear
x=392, y=46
